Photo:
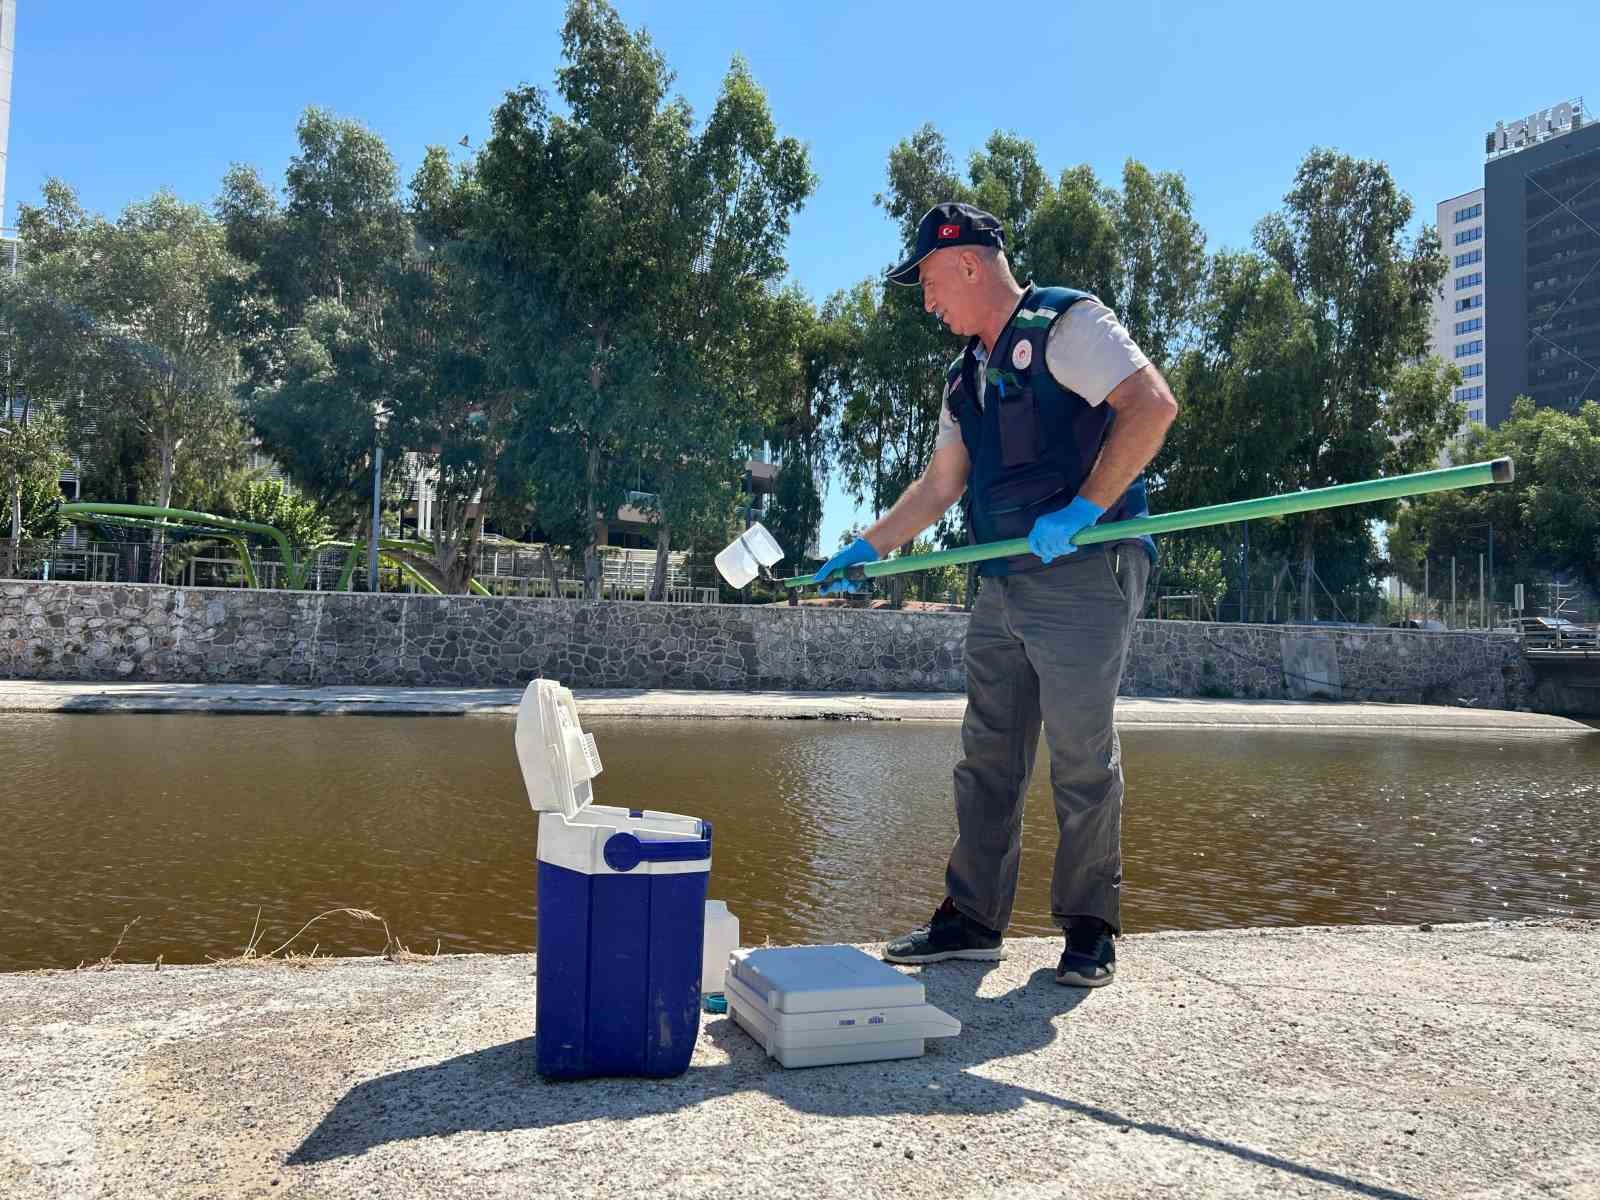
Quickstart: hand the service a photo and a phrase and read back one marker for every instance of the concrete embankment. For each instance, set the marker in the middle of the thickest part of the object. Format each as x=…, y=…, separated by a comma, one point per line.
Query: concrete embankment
x=600, y=703
x=1371, y=1062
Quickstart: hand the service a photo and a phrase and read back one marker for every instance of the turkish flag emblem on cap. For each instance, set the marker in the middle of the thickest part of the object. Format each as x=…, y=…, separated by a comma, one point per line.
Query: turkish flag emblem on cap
x=949, y=231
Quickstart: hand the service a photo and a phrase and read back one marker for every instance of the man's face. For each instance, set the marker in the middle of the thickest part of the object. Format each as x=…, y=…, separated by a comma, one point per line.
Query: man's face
x=949, y=288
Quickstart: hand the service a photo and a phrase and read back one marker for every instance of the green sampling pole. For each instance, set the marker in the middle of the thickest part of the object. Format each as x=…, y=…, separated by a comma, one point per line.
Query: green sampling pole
x=1498, y=470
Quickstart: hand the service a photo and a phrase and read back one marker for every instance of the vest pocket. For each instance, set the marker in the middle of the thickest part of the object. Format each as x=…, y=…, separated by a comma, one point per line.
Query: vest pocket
x=1013, y=504
x=1019, y=429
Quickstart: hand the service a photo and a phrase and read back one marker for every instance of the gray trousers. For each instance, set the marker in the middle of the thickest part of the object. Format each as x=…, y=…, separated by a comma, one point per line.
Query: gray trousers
x=1046, y=645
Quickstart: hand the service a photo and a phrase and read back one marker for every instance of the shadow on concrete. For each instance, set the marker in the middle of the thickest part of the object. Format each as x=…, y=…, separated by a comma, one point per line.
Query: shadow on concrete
x=498, y=1090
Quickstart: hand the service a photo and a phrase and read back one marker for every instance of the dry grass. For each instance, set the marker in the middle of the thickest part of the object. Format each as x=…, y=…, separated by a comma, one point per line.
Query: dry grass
x=394, y=949
x=110, y=960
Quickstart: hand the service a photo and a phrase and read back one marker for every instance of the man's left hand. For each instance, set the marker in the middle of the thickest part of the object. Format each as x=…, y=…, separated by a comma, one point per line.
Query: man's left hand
x=1052, y=534
x=858, y=551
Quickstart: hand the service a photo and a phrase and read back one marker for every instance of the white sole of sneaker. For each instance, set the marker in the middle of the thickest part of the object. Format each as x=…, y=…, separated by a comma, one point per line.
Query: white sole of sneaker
x=1080, y=981
x=996, y=955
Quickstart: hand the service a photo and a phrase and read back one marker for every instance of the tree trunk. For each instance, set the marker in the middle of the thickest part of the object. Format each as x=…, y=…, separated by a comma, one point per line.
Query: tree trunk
x=591, y=553
x=1277, y=585
x=1308, y=568
x=591, y=567
x=897, y=584
x=13, y=565
x=658, y=586
x=158, y=543
x=472, y=539
x=461, y=577
x=549, y=561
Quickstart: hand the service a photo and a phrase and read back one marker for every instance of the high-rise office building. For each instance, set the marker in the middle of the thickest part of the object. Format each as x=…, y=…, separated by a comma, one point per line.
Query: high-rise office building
x=1458, y=314
x=1541, y=243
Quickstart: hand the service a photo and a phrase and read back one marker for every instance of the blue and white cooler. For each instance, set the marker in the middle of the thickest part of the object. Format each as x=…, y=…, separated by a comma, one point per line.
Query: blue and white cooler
x=622, y=901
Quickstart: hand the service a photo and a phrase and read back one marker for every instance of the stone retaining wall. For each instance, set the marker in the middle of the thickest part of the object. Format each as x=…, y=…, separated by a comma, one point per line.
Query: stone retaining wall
x=87, y=631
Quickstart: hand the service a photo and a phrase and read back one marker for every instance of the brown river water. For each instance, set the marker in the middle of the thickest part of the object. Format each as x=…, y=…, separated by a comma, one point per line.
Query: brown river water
x=824, y=831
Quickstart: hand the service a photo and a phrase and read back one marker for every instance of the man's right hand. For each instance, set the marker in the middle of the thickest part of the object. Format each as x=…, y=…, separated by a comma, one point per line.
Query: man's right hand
x=858, y=551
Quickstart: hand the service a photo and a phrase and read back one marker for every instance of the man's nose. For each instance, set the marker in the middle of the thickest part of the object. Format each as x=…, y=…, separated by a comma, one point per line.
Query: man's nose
x=927, y=300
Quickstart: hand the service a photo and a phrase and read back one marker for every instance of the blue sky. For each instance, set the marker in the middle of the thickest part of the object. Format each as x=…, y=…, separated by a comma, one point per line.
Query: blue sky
x=119, y=99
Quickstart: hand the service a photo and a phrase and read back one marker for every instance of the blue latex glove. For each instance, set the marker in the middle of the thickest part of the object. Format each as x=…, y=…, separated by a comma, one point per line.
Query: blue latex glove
x=1051, y=536
x=858, y=551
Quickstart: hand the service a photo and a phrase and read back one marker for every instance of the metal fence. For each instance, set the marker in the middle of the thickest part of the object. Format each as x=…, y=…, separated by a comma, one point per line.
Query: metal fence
x=1405, y=609
x=626, y=573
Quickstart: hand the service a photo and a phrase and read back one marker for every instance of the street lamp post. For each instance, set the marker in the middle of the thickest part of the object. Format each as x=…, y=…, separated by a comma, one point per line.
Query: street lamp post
x=372, y=542
x=380, y=420
x=1244, y=582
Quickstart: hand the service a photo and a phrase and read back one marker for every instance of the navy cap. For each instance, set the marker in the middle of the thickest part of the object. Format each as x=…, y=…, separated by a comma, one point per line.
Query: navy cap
x=948, y=224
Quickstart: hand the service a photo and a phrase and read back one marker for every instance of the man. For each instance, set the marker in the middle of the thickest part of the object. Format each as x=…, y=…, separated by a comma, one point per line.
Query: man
x=1050, y=418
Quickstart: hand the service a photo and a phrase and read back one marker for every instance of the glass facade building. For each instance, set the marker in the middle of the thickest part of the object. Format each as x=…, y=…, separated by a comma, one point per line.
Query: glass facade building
x=1542, y=251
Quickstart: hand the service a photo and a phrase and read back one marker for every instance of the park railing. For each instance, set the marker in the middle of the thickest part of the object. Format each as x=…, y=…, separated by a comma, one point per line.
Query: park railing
x=515, y=571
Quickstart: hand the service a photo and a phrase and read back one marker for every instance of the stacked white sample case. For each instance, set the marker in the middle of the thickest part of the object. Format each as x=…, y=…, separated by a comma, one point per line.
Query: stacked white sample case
x=812, y=1006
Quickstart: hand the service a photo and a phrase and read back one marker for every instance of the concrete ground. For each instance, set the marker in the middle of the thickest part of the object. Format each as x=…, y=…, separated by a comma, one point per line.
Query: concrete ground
x=1371, y=1062
x=28, y=696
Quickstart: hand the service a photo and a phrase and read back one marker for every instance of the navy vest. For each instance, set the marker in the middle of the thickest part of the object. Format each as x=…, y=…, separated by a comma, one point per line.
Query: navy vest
x=1031, y=442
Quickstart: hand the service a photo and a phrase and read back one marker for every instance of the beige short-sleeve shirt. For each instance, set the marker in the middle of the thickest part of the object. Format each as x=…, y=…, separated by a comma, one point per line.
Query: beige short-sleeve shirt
x=1088, y=352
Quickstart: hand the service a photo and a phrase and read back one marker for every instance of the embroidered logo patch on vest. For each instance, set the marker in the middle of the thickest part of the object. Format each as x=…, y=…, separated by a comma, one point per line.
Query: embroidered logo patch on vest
x=1022, y=355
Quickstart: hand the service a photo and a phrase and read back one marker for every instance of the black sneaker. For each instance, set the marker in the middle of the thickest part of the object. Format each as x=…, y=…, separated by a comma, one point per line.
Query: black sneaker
x=1090, y=959
x=948, y=934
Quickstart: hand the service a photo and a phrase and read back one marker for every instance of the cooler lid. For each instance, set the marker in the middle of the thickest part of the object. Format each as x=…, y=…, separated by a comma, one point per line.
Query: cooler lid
x=558, y=758
x=802, y=979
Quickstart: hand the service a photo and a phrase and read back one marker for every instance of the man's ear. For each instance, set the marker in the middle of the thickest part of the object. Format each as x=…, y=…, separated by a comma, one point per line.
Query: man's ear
x=971, y=265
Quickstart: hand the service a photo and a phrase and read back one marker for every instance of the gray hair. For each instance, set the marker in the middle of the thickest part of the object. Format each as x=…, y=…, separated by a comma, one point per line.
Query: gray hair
x=994, y=258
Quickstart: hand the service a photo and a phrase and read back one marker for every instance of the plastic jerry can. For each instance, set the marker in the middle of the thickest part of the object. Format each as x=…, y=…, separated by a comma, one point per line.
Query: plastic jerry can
x=622, y=907
x=722, y=939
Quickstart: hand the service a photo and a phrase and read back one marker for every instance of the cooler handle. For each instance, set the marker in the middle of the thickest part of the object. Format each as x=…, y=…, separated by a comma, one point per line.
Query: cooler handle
x=625, y=851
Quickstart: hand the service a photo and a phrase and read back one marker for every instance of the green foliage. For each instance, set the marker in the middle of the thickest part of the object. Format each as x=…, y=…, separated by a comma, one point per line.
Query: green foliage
x=31, y=461
x=30, y=445
x=451, y=402
x=309, y=307
x=883, y=359
x=1366, y=292
x=592, y=306
x=1074, y=238
x=113, y=329
x=315, y=417
x=796, y=414
x=1139, y=250
x=643, y=335
x=535, y=377
x=270, y=502
x=1192, y=565
x=42, y=521
x=1546, y=521
x=1305, y=368
x=1161, y=259
x=887, y=381
x=939, y=583
x=795, y=512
